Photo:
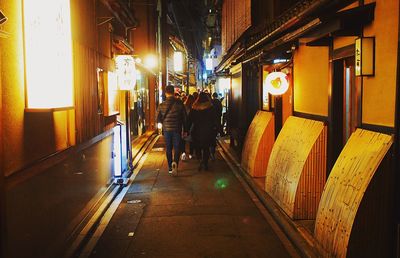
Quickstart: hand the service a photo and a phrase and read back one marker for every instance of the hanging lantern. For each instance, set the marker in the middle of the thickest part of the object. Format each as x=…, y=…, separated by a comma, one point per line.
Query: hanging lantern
x=276, y=83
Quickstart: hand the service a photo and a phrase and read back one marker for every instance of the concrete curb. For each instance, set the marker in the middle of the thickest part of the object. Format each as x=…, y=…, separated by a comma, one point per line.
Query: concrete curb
x=306, y=247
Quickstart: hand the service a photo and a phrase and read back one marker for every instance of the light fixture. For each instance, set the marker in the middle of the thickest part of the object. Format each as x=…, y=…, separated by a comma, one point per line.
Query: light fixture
x=277, y=61
x=150, y=61
x=126, y=72
x=365, y=56
x=178, y=61
x=224, y=84
x=48, y=54
x=117, y=156
x=209, y=64
x=276, y=83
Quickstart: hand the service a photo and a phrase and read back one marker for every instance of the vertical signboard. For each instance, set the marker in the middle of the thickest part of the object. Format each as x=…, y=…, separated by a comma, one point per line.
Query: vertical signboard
x=365, y=56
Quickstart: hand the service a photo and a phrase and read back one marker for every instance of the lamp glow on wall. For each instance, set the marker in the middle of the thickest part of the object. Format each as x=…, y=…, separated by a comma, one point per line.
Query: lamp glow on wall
x=48, y=54
x=276, y=83
x=365, y=56
x=178, y=61
x=126, y=72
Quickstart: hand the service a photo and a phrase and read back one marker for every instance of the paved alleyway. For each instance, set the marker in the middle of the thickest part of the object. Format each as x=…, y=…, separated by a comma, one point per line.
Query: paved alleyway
x=196, y=214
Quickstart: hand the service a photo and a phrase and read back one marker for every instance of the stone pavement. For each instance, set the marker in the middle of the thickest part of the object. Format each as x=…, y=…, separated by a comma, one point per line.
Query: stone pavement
x=195, y=214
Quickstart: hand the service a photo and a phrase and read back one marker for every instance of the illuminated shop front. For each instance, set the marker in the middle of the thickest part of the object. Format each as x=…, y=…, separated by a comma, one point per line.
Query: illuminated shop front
x=139, y=104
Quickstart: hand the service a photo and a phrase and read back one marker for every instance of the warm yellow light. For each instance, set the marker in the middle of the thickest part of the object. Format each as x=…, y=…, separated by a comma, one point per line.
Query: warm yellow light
x=150, y=61
x=112, y=100
x=276, y=83
x=126, y=72
x=48, y=53
x=178, y=61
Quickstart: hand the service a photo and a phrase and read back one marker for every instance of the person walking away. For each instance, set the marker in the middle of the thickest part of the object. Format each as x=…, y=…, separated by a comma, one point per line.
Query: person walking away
x=217, y=105
x=171, y=113
x=188, y=107
x=202, y=118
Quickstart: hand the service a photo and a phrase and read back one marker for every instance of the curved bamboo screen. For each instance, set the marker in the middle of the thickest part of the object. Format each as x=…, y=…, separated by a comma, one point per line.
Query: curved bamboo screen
x=296, y=170
x=258, y=144
x=346, y=187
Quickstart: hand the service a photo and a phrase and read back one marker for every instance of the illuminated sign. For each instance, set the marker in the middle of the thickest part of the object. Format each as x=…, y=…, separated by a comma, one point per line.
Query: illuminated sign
x=117, y=151
x=209, y=64
x=276, y=83
x=126, y=72
x=178, y=61
x=48, y=54
x=364, y=56
x=224, y=84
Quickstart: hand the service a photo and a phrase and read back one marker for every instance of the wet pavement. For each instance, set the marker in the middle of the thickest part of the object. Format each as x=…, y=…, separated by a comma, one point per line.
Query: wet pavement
x=194, y=214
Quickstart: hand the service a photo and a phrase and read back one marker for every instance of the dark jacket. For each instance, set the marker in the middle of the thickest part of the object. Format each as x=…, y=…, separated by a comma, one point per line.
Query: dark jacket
x=176, y=117
x=202, y=117
x=218, y=108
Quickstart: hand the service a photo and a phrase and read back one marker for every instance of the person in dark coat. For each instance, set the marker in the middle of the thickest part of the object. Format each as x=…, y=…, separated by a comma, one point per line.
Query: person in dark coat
x=188, y=107
x=217, y=105
x=202, y=118
x=172, y=114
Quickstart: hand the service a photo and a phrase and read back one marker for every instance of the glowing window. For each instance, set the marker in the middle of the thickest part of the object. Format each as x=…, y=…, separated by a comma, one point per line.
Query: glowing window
x=111, y=97
x=178, y=61
x=48, y=54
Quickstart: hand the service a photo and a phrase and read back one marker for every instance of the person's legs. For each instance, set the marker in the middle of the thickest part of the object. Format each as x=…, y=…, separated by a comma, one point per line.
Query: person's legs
x=191, y=149
x=212, y=149
x=183, y=149
x=206, y=155
x=177, y=146
x=168, y=136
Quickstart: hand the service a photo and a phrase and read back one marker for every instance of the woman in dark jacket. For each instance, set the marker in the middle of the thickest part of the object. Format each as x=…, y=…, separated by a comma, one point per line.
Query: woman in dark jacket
x=202, y=118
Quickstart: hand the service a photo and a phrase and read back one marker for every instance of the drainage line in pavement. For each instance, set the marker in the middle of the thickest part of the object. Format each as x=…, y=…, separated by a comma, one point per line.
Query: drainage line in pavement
x=290, y=230
x=87, y=232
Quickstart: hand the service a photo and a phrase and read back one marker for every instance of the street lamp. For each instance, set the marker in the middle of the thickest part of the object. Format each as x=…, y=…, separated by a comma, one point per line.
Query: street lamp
x=150, y=61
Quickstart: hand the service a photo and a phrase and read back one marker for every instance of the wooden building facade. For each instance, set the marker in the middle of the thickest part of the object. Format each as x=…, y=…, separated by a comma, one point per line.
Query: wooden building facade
x=56, y=160
x=335, y=158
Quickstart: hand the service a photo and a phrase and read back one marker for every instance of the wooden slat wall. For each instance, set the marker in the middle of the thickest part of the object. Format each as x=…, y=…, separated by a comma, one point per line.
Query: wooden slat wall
x=258, y=144
x=290, y=159
x=345, y=188
x=312, y=180
x=236, y=19
x=88, y=122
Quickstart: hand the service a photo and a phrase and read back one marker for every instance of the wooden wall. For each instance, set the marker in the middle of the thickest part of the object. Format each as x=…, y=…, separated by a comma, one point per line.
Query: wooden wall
x=345, y=190
x=236, y=19
x=88, y=121
x=314, y=175
x=296, y=169
x=258, y=144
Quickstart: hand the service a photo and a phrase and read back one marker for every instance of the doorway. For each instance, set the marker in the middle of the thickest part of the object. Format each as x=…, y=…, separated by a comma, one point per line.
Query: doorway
x=345, y=104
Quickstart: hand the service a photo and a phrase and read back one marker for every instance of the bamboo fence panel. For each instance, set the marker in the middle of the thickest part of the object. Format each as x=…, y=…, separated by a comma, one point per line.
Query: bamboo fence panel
x=345, y=189
x=258, y=144
x=297, y=167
